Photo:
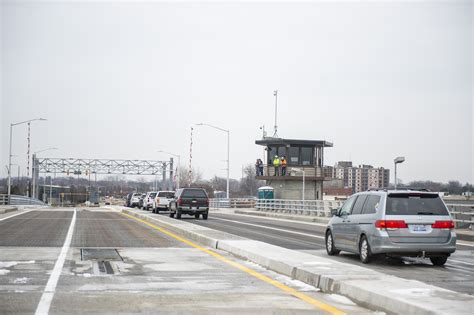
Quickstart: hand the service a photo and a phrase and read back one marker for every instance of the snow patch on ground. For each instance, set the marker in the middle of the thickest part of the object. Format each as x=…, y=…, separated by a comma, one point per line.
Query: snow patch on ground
x=423, y=292
x=341, y=299
x=316, y=263
x=295, y=284
x=20, y=280
x=8, y=264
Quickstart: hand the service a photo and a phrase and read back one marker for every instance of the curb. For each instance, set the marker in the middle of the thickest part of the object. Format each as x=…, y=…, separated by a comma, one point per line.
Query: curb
x=368, y=288
x=8, y=209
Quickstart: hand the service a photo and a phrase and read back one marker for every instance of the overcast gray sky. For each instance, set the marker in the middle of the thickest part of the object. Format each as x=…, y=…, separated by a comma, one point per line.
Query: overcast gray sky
x=123, y=79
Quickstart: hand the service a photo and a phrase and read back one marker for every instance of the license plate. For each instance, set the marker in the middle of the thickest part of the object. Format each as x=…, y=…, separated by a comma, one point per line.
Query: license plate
x=419, y=228
x=193, y=208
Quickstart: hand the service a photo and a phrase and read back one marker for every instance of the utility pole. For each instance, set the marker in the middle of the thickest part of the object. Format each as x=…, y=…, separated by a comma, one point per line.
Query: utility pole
x=275, y=93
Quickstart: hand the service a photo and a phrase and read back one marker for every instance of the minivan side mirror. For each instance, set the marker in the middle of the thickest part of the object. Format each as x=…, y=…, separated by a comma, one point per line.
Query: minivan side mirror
x=334, y=212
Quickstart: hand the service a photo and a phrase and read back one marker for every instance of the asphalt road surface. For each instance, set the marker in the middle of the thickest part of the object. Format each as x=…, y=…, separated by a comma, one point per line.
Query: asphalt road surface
x=99, y=261
x=456, y=275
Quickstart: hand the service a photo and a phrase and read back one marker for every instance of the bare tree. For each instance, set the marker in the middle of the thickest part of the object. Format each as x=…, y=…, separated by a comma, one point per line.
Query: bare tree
x=248, y=184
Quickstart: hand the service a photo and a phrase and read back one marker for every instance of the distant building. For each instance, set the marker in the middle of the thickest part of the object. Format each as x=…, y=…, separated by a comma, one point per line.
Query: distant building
x=361, y=178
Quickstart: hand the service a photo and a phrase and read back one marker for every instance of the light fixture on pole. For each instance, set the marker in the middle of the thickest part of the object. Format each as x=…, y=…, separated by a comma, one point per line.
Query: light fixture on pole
x=301, y=171
x=10, y=154
x=228, y=149
x=179, y=166
x=398, y=160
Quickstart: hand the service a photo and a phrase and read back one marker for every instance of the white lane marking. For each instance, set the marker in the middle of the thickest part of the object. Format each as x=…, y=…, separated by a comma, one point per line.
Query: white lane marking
x=272, y=218
x=16, y=215
x=272, y=228
x=48, y=294
x=464, y=244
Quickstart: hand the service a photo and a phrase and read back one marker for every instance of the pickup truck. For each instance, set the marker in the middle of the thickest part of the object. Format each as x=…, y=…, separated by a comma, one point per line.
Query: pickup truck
x=148, y=200
x=162, y=201
x=192, y=201
x=135, y=200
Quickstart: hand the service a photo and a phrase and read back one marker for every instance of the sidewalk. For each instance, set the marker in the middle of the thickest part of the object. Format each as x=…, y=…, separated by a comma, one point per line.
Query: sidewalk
x=462, y=234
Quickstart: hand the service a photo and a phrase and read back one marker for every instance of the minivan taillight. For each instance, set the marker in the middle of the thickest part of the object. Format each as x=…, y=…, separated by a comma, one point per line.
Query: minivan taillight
x=179, y=201
x=443, y=225
x=391, y=224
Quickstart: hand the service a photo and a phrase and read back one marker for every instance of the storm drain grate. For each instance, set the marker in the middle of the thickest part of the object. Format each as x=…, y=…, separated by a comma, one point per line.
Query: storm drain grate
x=100, y=254
x=105, y=267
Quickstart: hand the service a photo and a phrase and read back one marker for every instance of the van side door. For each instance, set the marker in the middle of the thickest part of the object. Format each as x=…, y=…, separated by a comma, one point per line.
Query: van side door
x=354, y=222
x=339, y=229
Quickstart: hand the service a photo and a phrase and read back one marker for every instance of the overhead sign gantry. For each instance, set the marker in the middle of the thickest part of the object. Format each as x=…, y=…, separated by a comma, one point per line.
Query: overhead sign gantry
x=74, y=166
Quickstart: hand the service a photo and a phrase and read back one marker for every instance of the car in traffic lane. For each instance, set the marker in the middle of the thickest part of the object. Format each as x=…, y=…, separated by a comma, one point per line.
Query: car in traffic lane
x=135, y=200
x=192, y=201
x=162, y=201
x=148, y=200
x=397, y=223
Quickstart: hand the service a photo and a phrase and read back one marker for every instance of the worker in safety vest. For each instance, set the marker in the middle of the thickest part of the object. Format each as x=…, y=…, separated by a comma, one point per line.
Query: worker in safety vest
x=276, y=165
x=283, y=165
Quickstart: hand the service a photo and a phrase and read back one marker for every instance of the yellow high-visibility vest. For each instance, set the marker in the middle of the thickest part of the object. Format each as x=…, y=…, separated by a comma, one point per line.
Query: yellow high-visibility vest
x=276, y=162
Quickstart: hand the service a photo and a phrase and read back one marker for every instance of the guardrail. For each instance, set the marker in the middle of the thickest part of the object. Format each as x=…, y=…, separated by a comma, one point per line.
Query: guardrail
x=463, y=214
x=321, y=208
x=17, y=200
x=232, y=203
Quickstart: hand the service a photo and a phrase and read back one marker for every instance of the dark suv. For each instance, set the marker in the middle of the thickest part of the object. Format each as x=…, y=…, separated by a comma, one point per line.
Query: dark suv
x=192, y=201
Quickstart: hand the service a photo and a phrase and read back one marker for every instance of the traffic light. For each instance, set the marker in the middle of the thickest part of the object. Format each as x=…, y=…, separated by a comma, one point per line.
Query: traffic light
x=87, y=172
x=67, y=172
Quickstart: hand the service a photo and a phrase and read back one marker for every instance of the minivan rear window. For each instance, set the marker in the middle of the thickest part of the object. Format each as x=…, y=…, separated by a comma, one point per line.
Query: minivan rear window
x=194, y=193
x=415, y=204
x=166, y=194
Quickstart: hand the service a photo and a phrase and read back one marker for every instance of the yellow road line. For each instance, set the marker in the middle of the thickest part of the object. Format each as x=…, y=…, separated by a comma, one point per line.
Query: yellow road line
x=321, y=305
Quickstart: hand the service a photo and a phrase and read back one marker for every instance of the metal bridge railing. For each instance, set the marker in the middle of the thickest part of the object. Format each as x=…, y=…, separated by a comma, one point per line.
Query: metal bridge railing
x=17, y=200
x=232, y=203
x=463, y=214
x=321, y=208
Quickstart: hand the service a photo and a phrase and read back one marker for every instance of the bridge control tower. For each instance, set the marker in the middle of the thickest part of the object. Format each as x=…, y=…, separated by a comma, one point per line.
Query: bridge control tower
x=301, y=155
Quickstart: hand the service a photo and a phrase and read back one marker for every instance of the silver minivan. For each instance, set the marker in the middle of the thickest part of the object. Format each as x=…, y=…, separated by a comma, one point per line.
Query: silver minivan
x=394, y=223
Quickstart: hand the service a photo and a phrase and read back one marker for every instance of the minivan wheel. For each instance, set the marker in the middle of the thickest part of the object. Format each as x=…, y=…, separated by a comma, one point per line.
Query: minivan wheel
x=439, y=261
x=330, y=249
x=364, y=250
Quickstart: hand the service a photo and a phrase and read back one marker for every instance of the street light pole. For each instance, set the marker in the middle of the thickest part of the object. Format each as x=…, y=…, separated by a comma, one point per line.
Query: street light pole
x=179, y=166
x=10, y=154
x=398, y=160
x=302, y=171
x=228, y=150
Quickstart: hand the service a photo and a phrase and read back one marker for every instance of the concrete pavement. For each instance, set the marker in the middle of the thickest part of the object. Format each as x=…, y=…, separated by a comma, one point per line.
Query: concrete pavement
x=115, y=264
x=363, y=285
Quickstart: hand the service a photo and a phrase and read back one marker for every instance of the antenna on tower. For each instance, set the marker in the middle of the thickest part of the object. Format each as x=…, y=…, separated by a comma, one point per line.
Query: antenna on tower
x=275, y=93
